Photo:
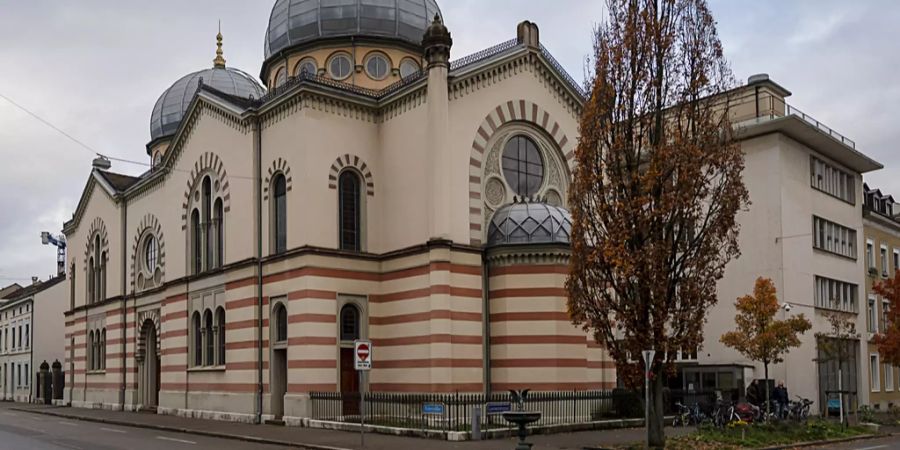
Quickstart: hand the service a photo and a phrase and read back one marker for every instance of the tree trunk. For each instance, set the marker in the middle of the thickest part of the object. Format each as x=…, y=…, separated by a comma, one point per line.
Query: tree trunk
x=656, y=434
x=766, y=366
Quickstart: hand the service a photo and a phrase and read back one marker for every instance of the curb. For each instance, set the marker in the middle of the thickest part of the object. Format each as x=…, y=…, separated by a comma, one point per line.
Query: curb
x=236, y=437
x=862, y=437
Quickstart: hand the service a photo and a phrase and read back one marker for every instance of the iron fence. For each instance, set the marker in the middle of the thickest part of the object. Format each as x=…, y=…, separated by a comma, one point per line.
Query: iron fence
x=454, y=411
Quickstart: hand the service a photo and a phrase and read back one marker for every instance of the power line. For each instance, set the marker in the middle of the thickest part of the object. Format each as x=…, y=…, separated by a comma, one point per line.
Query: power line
x=89, y=148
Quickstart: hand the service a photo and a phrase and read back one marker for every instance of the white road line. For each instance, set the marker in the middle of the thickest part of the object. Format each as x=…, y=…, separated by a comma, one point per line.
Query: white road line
x=68, y=423
x=10, y=414
x=176, y=440
x=872, y=448
x=112, y=430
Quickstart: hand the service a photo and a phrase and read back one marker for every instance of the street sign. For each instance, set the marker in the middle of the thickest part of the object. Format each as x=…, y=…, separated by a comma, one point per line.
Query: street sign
x=648, y=359
x=362, y=355
x=494, y=408
x=433, y=408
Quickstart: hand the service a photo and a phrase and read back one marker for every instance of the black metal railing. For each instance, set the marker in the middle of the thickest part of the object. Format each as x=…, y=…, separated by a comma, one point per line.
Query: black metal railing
x=453, y=412
x=559, y=68
x=484, y=54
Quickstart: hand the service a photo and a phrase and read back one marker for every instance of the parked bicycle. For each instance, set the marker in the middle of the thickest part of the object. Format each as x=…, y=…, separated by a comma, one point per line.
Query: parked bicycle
x=688, y=415
x=799, y=410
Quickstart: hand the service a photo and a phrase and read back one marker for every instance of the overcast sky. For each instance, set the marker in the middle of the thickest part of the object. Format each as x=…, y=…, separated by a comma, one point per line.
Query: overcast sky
x=95, y=68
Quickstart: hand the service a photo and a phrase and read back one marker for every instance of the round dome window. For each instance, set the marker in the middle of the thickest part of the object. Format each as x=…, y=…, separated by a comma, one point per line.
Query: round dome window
x=307, y=66
x=408, y=68
x=377, y=66
x=340, y=66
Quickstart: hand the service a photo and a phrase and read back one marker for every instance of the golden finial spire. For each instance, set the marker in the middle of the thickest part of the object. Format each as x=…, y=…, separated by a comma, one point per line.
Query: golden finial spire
x=219, y=61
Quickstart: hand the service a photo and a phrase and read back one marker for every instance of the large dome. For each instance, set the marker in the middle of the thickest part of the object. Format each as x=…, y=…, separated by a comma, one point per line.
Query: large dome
x=297, y=21
x=173, y=103
x=530, y=223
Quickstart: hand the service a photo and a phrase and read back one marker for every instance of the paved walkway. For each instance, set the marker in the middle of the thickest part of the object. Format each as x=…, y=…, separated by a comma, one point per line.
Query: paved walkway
x=317, y=439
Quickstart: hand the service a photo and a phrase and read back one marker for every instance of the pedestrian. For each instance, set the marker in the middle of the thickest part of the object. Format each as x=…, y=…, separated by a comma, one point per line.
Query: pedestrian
x=780, y=397
x=753, y=393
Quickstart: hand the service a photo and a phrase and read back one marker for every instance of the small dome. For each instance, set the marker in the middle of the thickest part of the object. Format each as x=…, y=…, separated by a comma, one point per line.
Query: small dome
x=530, y=223
x=173, y=103
x=295, y=22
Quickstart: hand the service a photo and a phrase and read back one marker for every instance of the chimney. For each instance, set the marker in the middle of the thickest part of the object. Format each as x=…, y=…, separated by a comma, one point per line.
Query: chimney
x=35, y=280
x=528, y=33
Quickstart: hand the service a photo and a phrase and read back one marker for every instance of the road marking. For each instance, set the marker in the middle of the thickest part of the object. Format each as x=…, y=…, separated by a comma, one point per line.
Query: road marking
x=872, y=448
x=176, y=440
x=9, y=414
x=112, y=430
x=68, y=423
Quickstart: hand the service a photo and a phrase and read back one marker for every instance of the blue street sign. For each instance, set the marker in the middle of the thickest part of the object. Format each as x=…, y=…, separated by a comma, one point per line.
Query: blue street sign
x=433, y=408
x=498, y=407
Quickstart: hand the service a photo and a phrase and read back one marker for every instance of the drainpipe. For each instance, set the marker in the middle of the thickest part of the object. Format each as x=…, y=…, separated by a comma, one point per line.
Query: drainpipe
x=259, y=276
x=31, y=351
x=756, y=100
x=486, y=322
x=124, y=305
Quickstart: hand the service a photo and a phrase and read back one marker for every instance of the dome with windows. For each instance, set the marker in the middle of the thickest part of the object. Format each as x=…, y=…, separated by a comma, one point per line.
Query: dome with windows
x=530, y=223
x=173, y=103
x=294, y=22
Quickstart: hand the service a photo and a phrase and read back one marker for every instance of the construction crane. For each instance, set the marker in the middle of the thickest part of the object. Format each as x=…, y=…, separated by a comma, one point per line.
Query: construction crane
x=60, y=243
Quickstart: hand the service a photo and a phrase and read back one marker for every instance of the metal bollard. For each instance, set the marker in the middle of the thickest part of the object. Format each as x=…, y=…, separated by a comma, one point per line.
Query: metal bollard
x=476, y=423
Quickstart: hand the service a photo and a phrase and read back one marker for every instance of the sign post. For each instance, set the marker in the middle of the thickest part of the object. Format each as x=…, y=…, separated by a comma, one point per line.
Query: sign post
x=648, y=360
x=362, y=362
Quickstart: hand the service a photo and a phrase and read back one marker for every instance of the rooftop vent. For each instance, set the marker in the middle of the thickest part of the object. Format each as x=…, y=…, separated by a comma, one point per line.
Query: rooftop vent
x=760, y=77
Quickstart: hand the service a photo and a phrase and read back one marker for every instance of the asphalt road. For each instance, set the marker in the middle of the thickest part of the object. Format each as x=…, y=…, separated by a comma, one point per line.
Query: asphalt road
x=888, y=443
x=24, y=431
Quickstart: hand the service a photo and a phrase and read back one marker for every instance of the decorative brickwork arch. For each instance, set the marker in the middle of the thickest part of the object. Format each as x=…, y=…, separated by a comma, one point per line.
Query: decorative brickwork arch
x=356, y=162
x=149, y=225
x=209, y=163
x=278, y=166
x=98, y=227
x=145, y=319
x=511, y=112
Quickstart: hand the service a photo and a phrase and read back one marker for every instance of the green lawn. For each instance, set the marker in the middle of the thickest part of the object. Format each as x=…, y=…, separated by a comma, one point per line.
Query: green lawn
x=762, y=435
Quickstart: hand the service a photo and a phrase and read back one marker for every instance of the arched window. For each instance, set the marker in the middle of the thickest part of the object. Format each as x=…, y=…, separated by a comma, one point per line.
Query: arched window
x=103, y=349
x=207, y=223
x=90, y=281
x=281, y=323
x=71, y=288
x=523, y=166
x=220, y=336
x=89, y=350
x=349, y=209
x=280, y=77
x=197, y=239
x=98, y=276
x=349, y=323
x=103, y=258
x=279, y=212
x=219, y=220
x=210, y=337
x=198, y=339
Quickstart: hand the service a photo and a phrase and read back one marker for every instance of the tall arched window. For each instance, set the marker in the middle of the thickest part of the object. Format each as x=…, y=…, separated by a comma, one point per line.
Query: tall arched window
x=103, y=349
x=198, y=339
x=197, y=239
x=279, y=212
x=210, y=337
x=89, y=350
x=281, y=323
x=220, y=336
x=98, y=276
x=349, y=323
x=349, y=209
x=103, y=258
x=90, y=281
x=219, y=220
x=207, y=222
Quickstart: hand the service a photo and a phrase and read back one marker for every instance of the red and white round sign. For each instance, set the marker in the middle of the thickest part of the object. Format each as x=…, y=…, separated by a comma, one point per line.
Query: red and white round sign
x=362, y=353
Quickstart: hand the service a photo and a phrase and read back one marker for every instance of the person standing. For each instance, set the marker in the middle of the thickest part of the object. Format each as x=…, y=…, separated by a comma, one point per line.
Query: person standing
x=780, y=397
x=753, y=393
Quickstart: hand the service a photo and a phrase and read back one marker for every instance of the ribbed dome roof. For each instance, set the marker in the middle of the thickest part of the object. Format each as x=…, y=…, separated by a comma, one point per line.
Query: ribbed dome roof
x=173, y=103
x=529, y=223
x=294, y=22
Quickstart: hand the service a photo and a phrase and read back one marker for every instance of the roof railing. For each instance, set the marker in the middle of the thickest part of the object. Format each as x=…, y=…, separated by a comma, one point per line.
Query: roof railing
x=791, y=111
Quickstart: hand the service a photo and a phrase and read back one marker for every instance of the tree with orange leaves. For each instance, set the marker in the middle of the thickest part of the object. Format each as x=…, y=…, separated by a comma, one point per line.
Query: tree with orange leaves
x=759, y=336
x=656, y=188
x=888, y=342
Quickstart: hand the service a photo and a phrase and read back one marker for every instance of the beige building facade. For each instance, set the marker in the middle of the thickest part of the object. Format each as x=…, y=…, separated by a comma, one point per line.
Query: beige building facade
x=882, y=260
x=374, y=191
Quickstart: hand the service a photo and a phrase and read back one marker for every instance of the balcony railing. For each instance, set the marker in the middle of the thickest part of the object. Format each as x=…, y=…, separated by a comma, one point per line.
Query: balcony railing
x=791, y=111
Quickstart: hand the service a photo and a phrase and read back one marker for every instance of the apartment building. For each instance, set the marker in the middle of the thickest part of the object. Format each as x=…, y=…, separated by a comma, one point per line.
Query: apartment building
x=882, y=254
x=30, y=333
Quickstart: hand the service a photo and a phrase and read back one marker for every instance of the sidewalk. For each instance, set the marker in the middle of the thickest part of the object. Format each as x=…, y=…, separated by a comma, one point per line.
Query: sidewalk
x=318, y=439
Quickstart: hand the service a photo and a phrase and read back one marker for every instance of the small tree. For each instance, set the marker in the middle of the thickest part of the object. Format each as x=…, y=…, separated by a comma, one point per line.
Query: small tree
x=837, y=345
x=759, y=336
x=888, y=342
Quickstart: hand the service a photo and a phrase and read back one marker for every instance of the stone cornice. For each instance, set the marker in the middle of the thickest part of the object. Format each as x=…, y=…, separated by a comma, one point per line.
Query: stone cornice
x=525, y=254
